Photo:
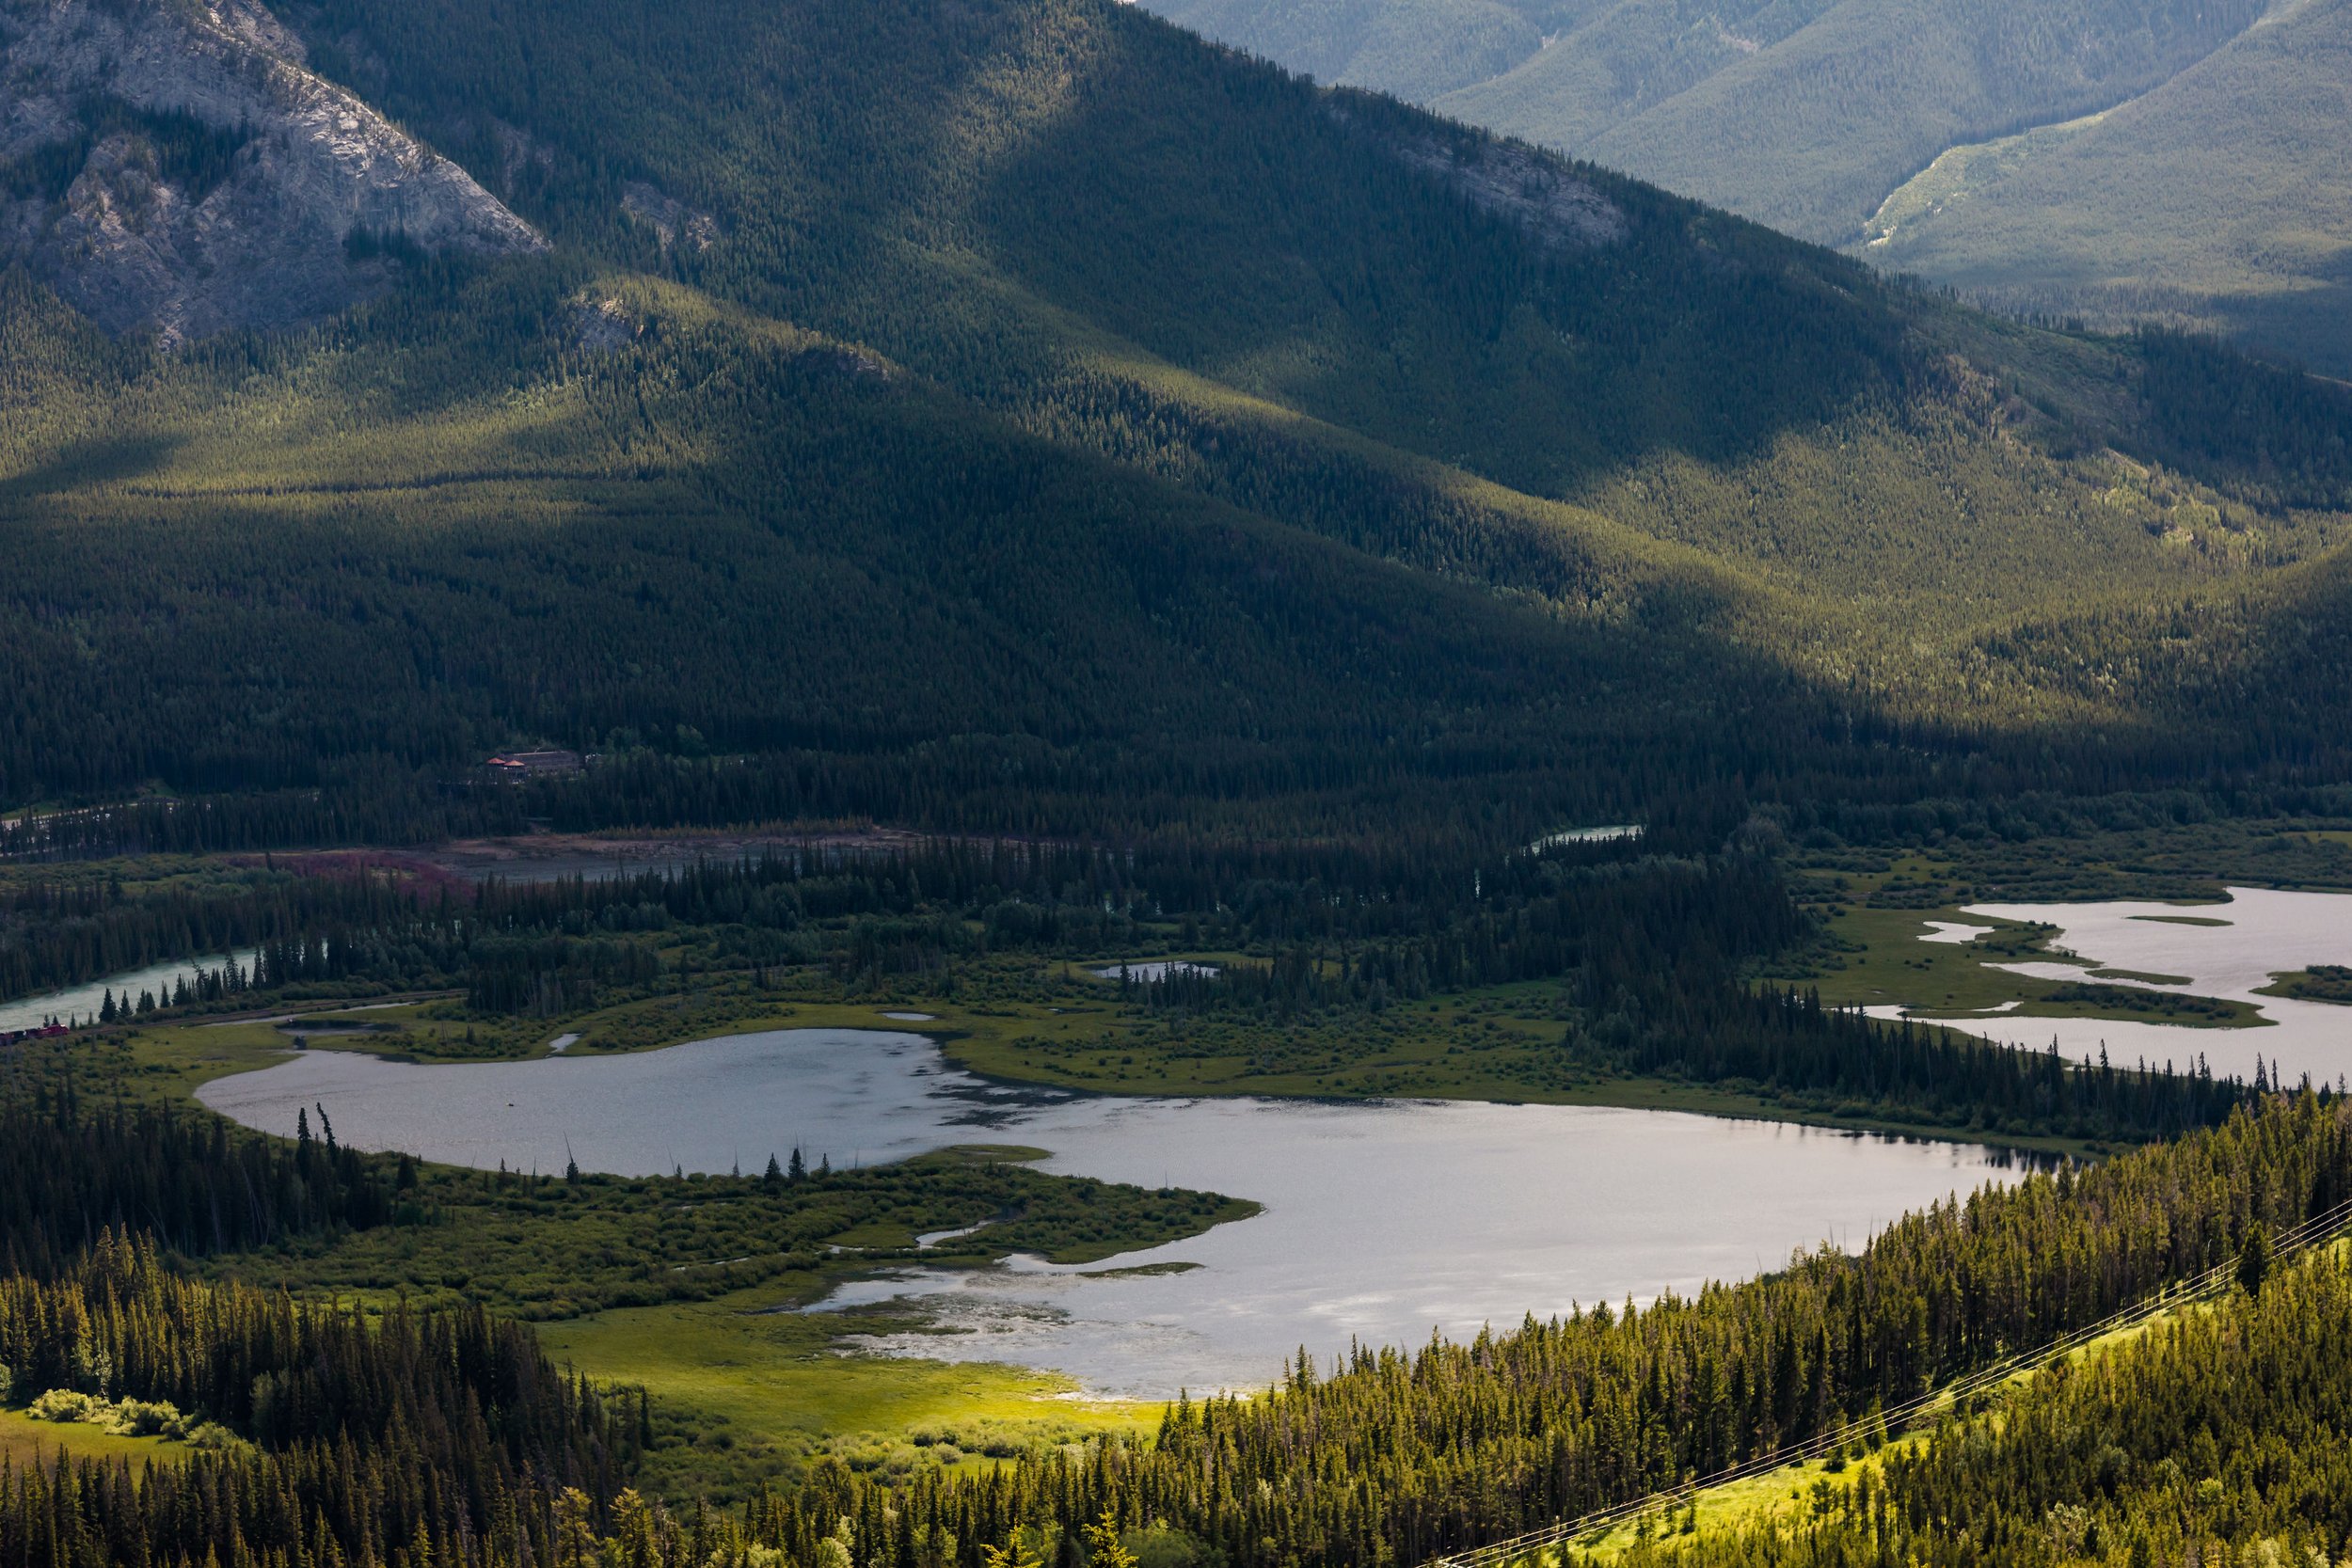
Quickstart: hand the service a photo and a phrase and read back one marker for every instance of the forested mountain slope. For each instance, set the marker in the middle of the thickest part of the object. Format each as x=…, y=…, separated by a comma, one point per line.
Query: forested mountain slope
x=1804, y=117
x=2109, y=159
x=1055, y=407
x=767, y=538
x=2220, y=196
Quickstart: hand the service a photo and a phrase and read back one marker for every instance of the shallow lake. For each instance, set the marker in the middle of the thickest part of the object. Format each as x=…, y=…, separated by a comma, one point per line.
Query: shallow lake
x=2233, y=949
x=1384, y=1221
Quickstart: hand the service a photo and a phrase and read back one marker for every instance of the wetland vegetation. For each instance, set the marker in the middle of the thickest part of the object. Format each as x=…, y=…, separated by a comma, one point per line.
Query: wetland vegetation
x=1803, y=1351
x=2319, y=983
x=1033, y=493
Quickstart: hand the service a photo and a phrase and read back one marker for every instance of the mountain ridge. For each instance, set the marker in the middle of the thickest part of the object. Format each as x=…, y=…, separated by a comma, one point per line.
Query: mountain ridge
x=1832, y=118
x=178, y=169
x=2212, y=200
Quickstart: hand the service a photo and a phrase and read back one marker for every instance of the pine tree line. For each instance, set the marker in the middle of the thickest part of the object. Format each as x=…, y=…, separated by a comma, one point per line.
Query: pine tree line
x=72, y=1173
x=421, y=1438
x=445, y=1440
x=58, y=932
x=2221, y=1435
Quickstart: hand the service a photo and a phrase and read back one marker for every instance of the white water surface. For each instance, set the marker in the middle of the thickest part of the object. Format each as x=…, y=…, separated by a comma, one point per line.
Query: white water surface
x=1154, y=969
x=1384, y=1221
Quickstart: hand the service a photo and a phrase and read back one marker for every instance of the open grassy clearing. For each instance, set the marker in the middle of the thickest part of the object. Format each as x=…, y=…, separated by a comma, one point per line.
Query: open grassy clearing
x=1735, y=1505
x=745, y=1390
x=25, y=1441
x=684, y=1288
x=545, y=1247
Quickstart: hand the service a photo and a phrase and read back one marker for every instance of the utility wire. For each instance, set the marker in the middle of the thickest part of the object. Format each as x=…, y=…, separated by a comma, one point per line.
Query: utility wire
x=2167, y=1298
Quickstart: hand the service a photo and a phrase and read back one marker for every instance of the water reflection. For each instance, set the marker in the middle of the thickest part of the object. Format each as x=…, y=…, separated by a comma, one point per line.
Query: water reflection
x=83, y=1002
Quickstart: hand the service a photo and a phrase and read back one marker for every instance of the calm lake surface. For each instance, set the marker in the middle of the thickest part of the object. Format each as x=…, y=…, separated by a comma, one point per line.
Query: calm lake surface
x=2258, y=933
x=1384, y=1221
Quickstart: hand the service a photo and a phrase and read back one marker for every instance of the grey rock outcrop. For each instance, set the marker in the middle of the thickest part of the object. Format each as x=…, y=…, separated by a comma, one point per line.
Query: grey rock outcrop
x=672, y=220
x=1532, y=189
x=174, y=166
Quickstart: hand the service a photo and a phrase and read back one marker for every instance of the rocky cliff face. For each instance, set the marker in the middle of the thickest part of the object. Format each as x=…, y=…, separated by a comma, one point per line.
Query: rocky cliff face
x=174, y=166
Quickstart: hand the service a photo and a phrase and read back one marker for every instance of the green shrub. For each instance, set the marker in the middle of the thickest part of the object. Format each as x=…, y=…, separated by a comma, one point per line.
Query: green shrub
x=64, y=1404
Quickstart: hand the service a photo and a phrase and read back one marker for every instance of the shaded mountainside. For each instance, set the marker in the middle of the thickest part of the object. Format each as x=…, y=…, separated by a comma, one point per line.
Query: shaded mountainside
x=738, y=536
x=983, y=405
x=175, y=168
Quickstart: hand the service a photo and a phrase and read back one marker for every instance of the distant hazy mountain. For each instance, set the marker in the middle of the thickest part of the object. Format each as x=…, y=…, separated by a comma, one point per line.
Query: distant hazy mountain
x=1415, y=49
x=1803, y=115
x=2223, y=197
x=2208, y=189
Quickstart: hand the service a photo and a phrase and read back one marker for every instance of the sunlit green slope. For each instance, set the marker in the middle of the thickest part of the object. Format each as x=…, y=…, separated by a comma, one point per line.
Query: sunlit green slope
x=1032, y=398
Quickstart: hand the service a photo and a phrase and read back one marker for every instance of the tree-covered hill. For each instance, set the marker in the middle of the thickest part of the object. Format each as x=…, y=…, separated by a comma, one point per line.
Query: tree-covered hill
x=726, y=537
x=1028, y=401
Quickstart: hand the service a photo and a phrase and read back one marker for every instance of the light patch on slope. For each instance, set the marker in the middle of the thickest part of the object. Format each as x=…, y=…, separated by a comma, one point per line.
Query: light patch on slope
x=1533, y=189
x=1960, y=171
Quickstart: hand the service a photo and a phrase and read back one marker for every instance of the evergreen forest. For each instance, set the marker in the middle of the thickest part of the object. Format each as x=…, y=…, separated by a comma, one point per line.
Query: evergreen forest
x=1062, y=570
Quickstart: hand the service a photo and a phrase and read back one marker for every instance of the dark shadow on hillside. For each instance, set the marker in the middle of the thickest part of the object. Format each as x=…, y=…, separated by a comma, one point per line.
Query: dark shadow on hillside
x=2308, y=327
x=1314, y=247
x=94, y=460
